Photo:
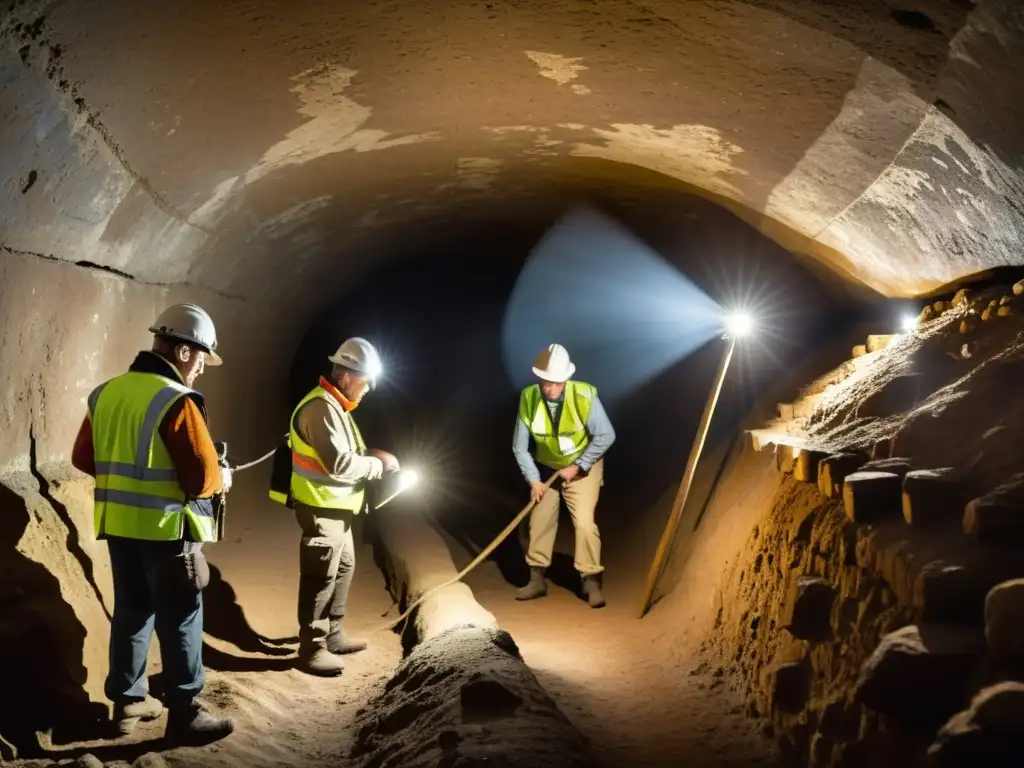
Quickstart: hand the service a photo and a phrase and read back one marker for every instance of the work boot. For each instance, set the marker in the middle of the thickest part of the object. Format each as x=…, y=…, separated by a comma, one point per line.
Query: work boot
x=128, y=714
x=195, y=726
x=317, y=660
x=592, y=591
x=537, y=587
x=339, y=643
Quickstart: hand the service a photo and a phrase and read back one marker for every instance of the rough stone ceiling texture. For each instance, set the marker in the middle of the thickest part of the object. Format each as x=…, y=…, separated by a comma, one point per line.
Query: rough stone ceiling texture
x=248, y=146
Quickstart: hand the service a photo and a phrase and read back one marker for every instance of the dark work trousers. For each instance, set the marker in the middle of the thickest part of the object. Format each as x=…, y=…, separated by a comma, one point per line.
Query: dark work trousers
x=157, y=585
x=327, y=562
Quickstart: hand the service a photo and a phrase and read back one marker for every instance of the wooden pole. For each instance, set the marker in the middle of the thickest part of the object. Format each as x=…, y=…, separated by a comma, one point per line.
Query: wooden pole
x=684, y=487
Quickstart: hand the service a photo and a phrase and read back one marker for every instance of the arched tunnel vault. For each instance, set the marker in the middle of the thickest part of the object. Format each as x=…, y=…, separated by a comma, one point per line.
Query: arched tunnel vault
x=262, y=158
x=181, y=144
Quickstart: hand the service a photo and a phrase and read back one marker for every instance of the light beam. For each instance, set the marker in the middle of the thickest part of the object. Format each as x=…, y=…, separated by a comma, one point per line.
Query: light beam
x=623, y=312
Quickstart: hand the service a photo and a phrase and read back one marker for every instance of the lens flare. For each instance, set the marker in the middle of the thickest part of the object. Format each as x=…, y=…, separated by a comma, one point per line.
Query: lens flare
x=739, y=324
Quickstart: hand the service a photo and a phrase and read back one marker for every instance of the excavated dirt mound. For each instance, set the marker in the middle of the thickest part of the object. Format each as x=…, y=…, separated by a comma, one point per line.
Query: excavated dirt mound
x=463, y=698
x=857, y=611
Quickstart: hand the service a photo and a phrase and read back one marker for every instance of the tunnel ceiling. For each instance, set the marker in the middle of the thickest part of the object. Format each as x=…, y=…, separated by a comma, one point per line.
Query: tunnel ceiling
x=245, y=146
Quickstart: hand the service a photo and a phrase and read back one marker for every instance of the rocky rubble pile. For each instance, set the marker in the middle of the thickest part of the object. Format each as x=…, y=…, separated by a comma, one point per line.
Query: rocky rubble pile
x=893, y=558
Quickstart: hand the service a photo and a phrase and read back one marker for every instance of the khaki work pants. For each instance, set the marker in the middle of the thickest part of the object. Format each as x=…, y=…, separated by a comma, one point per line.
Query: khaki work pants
x=327, y=562
x=581, y=498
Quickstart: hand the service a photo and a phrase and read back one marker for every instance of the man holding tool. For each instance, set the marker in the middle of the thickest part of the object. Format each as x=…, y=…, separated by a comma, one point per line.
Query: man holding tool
x=145, y=439
x=575, y=450
x=330, y=467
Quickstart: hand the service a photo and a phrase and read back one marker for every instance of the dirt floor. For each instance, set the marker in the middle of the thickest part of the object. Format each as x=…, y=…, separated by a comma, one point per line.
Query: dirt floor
x=635, y=691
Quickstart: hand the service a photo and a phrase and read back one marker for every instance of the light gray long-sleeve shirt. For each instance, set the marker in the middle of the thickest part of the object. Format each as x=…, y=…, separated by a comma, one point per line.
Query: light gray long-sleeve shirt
x=331, y=432
x=599, y=430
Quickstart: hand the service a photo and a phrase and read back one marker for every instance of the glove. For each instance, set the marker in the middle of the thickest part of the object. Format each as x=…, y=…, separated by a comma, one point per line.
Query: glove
x=196, y=569
x=225, y=479
x=388, y=460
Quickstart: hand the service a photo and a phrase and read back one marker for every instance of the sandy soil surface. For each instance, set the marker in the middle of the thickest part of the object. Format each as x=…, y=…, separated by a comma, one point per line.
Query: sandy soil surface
x=635, y=690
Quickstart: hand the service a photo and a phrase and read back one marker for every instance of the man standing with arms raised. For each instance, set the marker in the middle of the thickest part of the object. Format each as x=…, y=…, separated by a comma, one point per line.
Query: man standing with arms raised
x=572, y=433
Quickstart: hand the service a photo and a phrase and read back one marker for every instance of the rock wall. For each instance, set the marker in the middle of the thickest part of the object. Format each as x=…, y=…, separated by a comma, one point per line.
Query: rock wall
x=870, y=612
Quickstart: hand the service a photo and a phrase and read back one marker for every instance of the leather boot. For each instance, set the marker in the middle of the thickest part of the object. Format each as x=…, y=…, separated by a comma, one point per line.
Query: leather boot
x=195, y=726
x=317, y=660
x=128, y=714
x=314, y=658
x=339, y=643
x=537, y=586
x=592, y=591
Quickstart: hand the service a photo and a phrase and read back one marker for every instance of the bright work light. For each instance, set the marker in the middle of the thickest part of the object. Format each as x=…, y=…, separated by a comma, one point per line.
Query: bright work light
x=397, y=483
x=739, y=324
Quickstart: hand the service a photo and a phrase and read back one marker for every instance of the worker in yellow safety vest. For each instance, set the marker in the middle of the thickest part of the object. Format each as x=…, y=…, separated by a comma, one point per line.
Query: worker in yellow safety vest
x=330, y=470
x=146, y=442
x=571, y=432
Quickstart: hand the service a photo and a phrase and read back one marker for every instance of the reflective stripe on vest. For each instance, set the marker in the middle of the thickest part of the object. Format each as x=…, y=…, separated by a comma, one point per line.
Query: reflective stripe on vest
x=137, y=493
x=311, y=484
x=559, y=448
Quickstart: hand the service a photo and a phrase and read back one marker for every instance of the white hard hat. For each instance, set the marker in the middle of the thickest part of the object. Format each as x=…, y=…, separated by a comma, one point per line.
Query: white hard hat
x=359, y=355
x=553, y=364
x=190, y=323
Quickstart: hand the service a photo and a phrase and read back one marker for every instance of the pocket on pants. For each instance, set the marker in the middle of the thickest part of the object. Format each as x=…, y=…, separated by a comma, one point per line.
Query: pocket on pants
x=315, y=557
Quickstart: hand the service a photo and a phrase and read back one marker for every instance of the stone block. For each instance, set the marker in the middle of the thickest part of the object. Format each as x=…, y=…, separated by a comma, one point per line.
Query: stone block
x=785, y=411
x=871, y=497
x=859, y=351
x=987, y=733
x=933, y=497
x=804, y=407
x=149, y=760
x=791, y=687
x=878, y=342
x=918, y=675
x=939, y=307
x=807, y=614
x=954, y=591
x=784, y=459
x=895, y=465
x=882, y=449
x=1004, y=622
x=960, y=297
x=805, y=469
x=997, y=518
x=832, y=470
x=1018, y=288
x=1004, y=311
x=968, y=324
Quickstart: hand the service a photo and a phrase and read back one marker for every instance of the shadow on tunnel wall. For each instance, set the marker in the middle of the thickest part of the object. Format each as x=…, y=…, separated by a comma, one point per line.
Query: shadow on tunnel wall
x=43, y=645
x=448, y=404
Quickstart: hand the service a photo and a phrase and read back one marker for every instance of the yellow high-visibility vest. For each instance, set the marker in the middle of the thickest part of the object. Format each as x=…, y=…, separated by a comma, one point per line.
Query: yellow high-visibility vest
x=137, y=493
x=558, y=448
x=311, y=484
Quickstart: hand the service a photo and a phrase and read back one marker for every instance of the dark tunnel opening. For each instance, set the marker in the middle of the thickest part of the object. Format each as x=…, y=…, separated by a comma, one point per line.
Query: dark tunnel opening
x=447, y=403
